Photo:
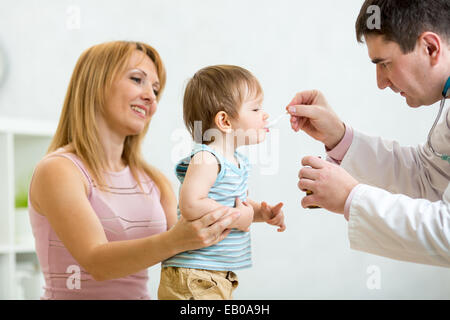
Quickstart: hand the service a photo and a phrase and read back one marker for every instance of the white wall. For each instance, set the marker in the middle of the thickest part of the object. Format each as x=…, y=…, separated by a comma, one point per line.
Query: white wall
x=290, y=46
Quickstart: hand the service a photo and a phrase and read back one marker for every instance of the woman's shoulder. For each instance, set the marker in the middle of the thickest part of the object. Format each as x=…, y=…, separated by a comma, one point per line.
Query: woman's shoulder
x=57, y=168
x=57, y=162
x=54, y=164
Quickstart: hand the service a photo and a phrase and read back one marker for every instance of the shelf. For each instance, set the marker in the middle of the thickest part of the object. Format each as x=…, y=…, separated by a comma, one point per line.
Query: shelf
x=24, y=248
x=18, y=248
x=29, y=127
x=5, y=249
x=23, y=143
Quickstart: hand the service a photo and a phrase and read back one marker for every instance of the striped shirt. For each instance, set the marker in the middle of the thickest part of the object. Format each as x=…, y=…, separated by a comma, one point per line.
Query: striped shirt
x=234, y=252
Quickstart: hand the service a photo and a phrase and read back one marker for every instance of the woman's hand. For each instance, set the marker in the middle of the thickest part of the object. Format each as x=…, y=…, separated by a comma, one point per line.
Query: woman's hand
x=311, y=113
x=210, y=229
x=330, y=184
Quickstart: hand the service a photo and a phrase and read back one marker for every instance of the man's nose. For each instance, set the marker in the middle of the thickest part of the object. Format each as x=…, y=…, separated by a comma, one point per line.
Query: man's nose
x=382, y=80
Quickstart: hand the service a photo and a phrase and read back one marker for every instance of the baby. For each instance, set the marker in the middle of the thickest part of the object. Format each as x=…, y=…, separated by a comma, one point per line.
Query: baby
x=222, y=111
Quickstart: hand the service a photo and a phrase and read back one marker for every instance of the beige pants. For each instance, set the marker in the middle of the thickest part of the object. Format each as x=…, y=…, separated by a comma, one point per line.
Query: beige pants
x=196, y=284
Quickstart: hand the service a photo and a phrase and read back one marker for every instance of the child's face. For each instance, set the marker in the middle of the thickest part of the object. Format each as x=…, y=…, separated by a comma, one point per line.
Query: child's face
x=249, y=127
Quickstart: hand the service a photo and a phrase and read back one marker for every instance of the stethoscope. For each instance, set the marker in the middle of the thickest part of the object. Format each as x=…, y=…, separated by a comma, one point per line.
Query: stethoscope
x=444, y=157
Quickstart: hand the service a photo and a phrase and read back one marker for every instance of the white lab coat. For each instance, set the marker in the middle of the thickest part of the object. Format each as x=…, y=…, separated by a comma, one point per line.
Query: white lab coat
x=401, y=209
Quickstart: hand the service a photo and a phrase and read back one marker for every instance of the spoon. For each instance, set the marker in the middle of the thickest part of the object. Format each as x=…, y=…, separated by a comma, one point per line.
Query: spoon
x=272, y=123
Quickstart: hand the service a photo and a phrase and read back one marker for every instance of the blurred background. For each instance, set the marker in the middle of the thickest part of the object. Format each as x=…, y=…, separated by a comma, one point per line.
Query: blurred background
x=289, y=45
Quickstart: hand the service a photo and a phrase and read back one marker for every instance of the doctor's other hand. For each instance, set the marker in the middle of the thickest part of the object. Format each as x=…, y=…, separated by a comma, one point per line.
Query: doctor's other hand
x=330, y=184
x=311, y=113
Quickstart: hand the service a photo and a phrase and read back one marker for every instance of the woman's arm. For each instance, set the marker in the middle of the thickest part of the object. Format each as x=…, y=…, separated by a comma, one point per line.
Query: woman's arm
x=200, y=177
x=59, y=191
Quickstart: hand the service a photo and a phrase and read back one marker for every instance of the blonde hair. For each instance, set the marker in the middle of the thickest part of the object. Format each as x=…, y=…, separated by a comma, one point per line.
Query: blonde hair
x=96, y=70
x=214, y=89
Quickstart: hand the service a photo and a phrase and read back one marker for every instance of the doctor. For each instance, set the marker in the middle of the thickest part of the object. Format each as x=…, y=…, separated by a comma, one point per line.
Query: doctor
x=396, y=199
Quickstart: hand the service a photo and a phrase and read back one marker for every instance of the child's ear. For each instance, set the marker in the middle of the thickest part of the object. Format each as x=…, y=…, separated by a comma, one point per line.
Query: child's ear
x=222, y=121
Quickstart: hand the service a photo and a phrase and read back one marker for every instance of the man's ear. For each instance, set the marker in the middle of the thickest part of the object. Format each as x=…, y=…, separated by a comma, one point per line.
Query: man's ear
x=222, y=121
x=432, y=44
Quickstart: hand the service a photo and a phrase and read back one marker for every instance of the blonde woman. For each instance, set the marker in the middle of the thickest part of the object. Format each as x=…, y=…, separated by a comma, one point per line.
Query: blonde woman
x=100, y=214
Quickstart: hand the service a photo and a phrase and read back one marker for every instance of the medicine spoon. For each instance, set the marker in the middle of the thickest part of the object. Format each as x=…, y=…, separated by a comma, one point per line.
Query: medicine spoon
x=272, y=123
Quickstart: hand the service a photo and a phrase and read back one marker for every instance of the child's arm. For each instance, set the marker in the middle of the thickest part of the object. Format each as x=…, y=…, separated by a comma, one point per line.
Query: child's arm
x=271, y=214
x=256, y=208
x=200, y=177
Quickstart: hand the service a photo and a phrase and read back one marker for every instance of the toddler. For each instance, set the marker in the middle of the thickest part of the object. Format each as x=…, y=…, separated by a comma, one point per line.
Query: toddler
x=222, y=111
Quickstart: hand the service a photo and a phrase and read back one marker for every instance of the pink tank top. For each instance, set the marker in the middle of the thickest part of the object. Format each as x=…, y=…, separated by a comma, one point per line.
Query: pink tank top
x=125, y=212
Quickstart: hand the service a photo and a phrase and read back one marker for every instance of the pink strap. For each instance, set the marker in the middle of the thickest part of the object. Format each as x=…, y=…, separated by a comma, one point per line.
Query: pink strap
x=72, y=157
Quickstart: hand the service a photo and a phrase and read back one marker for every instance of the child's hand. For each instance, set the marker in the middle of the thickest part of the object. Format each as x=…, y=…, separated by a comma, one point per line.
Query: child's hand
x=273, y=215
x=246, y=218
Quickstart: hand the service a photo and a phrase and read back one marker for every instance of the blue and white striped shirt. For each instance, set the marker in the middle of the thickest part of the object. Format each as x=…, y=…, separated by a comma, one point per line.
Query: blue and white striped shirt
x=234, y=252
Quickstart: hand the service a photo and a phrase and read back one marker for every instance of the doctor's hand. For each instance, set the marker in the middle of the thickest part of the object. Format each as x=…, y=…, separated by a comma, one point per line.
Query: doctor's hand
x=330, y=184
x=311, y=113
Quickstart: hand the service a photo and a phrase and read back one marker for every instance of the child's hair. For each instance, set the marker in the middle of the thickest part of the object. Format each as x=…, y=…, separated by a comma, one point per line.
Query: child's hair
x=214, y=89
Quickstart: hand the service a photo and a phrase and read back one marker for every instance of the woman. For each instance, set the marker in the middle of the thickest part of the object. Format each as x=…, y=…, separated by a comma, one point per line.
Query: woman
x=95, y=206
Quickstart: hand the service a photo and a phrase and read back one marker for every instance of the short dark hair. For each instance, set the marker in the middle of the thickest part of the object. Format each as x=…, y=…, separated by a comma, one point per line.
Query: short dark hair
x=403, y=21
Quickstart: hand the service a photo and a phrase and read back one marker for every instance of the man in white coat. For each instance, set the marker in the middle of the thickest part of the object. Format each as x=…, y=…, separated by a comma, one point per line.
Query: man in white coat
x=396, y=199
